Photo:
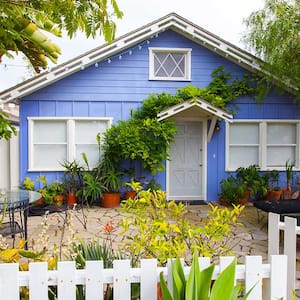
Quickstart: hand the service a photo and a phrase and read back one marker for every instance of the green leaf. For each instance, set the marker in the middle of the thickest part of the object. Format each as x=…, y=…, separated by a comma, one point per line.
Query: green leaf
x=205, y=282
x=164, y=288
x=192, y=286
x=224, y=284
x=179, y=281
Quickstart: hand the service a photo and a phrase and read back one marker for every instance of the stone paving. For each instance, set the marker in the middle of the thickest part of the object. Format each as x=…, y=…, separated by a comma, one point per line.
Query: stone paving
x=250, y=239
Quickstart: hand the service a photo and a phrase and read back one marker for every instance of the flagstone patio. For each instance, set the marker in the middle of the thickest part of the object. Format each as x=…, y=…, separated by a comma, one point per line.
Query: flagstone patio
x=250, y=238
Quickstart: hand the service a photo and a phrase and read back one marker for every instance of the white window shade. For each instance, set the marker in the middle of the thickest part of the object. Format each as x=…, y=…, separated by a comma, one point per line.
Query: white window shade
x=52, y=141
x=281, y=144
x=243, y=145
x=268, y=144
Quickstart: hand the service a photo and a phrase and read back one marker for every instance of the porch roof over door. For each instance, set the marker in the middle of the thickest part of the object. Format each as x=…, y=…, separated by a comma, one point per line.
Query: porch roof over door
x=197, y=108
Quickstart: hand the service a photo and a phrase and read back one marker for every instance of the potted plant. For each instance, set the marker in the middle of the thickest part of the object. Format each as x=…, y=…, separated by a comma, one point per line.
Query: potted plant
x=133, y=187
x=56, y=191
x=72, y=180
x=274, y=191
x=232, y=191
x=256, y=183
x=29, y=185
x=112, y=184
x=287, y=192
x=93, y=187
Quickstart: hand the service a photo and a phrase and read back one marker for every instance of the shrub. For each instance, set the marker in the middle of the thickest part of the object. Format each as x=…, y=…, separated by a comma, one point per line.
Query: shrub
x=162, y=229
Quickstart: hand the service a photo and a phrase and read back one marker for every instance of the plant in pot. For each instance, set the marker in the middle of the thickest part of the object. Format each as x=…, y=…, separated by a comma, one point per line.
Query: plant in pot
x=44, y=190
x=232, y=191
x=112, y=184
x=72, y=180
x=56, y=191
x=28, y=184
x=287, y=192
x=257, y=184
x=133, y=188
x=274, y=191
x=93, y=187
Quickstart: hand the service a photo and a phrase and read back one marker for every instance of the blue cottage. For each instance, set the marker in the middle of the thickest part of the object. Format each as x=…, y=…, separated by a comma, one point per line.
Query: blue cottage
x=62, y=110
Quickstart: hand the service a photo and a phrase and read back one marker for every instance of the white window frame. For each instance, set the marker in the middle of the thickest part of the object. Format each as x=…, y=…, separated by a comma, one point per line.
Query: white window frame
x=263, y=143
x=187, y=54
x=71, y=149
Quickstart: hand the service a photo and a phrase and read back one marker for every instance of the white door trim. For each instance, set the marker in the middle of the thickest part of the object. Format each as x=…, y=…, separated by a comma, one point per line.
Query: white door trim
x=204, y=163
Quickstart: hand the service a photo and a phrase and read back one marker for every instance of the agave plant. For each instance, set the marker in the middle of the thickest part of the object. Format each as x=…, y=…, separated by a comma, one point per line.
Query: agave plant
x=199, y=283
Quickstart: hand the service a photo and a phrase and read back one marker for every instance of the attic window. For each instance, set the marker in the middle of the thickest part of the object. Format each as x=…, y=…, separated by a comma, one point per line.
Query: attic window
x=170, y=64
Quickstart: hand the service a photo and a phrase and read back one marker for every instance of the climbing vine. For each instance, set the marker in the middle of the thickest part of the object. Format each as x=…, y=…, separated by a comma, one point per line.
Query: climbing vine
x=148, y=140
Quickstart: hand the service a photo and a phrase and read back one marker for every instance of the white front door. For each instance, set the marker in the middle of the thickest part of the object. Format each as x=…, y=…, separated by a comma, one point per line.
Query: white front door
x=186, y=163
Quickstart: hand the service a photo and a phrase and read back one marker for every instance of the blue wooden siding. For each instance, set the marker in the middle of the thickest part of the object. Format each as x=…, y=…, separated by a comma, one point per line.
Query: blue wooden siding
x=113, y=89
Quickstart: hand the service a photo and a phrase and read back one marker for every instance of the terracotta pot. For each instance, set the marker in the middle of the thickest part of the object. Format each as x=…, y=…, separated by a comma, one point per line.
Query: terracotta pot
x=274, y=195
x=286, y=193
x=130, y=194
x=71, y=199
x=40, y=201
x=224, y=202
x=110, y=200
x=245, y=199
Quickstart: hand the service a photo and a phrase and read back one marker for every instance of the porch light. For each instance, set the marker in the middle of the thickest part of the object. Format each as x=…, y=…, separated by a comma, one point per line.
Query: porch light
x=217, y=127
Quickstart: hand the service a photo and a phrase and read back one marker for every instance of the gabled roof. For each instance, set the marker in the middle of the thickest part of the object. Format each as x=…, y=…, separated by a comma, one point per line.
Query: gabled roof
x=171, y=21
x=197, y=108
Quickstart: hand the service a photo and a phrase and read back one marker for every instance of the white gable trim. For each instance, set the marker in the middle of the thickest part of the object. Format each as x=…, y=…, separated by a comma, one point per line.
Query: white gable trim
x=171, y=21
x=214, y=112
x=202, y=104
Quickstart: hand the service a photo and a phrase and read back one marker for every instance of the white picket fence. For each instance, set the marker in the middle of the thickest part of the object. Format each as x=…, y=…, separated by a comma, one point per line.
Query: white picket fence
x=253, y=273
x=290, y=230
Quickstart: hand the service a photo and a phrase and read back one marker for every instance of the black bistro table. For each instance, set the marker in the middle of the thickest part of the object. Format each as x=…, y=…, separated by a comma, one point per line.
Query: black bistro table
x=15, y=203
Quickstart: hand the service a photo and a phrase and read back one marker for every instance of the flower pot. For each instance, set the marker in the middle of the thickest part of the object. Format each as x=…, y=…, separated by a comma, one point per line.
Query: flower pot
x=71, y=199
x=286, y=193
x=39, y=201
x=274, y=195
x=110, y=200
x=130, y=194
x=245, y=199
x=224, y=202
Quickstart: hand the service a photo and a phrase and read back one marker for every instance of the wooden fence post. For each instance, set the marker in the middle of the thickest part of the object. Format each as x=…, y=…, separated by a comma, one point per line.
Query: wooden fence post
x=66, y=288
x=148, y=279
x=94, y=279
x=278, y=277
x=253, y=276
x=273, y=234
x=9, y=282
x=121, y=279
x=290, y=248
x=38, y=281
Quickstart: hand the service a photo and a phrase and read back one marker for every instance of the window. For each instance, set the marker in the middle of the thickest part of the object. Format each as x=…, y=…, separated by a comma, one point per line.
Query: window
x=169, y=64
x=268, y=144
x=53, y=140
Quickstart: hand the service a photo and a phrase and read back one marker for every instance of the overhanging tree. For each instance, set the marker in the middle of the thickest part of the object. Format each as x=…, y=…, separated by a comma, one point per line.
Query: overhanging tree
x=274, y=35
x=24, y=25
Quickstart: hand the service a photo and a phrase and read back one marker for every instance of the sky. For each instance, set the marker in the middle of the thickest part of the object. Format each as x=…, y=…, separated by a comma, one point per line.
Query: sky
x=224, y=18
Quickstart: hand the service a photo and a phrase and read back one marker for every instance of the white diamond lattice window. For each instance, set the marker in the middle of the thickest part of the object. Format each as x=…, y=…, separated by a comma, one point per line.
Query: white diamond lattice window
x=170, y=64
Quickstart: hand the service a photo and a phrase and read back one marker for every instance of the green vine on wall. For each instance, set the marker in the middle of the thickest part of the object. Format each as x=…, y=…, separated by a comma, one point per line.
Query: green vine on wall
x=148, y=140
